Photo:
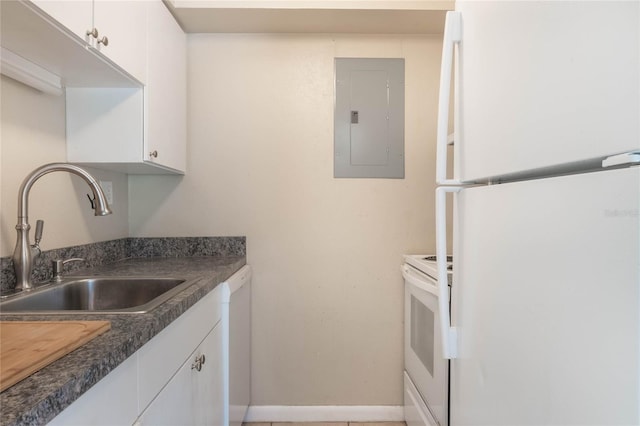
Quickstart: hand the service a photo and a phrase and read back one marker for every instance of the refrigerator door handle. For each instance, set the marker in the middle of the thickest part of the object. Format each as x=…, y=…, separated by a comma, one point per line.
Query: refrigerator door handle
x=449, y=333
x=626, y=159
x=452, y=35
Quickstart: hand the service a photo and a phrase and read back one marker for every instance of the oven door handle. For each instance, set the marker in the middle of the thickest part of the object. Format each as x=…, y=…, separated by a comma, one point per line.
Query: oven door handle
x=415, y=280
x=449, y=333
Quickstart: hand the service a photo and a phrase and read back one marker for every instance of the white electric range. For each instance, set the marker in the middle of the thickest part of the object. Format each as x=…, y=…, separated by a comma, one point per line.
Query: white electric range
x=426, y=376
x=427, y=263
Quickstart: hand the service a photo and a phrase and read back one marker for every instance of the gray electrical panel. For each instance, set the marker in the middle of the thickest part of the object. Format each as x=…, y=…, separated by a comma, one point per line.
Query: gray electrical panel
x=369, y=118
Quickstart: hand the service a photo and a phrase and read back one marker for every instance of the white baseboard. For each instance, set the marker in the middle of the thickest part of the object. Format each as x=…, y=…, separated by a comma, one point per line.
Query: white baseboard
x=325, y=413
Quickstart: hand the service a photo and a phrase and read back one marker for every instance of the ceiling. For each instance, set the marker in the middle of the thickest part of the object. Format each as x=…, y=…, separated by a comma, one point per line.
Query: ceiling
x=306, y=16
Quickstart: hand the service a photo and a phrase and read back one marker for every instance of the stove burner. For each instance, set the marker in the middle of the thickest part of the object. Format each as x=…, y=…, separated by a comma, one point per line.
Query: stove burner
x=433, y=258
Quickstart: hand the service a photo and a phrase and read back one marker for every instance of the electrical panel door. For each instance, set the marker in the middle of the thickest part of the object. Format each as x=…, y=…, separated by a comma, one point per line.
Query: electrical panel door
x=369, y=118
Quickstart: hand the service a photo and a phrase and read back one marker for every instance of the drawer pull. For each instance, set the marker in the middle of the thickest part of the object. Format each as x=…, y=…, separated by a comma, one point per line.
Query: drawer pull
x=199, y=362
x=104, y=40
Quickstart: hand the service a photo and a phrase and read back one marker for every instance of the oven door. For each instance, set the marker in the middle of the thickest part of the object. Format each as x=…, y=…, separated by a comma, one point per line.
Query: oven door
x=424, y=363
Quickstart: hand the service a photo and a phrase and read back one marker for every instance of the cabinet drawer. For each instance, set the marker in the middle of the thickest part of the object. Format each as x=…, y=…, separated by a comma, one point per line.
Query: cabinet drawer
x=163, y=355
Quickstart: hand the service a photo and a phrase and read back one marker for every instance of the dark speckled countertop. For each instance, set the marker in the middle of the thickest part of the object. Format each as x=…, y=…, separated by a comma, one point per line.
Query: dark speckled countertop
x=39, y=398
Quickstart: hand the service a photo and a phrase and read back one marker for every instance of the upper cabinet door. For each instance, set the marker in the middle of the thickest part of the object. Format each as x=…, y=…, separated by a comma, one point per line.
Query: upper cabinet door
x=166, y=90
x=542, y=84
x=76, y=15
x=122, y=34
x=117, y=29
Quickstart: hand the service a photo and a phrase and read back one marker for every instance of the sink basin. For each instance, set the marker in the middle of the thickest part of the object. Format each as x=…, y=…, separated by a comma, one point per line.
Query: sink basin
x=96, y=295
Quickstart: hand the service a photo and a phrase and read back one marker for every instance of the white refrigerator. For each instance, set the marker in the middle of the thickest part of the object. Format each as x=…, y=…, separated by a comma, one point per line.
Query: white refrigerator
x=544, y=325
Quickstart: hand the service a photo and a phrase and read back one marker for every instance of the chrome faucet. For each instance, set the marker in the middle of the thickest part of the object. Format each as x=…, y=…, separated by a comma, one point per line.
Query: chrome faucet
x=24, y=253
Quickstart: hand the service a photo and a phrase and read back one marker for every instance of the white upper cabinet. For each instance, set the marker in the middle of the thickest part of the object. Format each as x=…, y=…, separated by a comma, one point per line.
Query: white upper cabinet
x=122, y=33
x=136, y=131
x=77, y=15
x=51, y=35
x=117, y=29
x=166, y=90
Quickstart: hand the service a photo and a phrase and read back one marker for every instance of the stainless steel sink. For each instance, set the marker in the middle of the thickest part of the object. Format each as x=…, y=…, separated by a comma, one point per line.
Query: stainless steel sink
x=96, y=295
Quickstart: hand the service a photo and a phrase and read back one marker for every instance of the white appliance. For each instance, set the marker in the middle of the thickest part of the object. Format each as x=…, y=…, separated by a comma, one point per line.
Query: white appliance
x=236, y=336
x=545, y=300
x=426, y=377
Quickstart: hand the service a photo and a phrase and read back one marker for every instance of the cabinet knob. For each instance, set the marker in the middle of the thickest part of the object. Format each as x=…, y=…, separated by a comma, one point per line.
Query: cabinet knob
x=104, y=40
x=93, y=33
x=199, y=362
x=153, y=154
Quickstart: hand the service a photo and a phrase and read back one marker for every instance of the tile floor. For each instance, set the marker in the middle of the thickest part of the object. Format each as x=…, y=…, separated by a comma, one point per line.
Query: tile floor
x=328, y=424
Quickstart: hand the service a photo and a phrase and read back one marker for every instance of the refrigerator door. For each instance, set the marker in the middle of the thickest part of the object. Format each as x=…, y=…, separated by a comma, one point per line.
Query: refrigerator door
x=543, y=83
x=545, y=299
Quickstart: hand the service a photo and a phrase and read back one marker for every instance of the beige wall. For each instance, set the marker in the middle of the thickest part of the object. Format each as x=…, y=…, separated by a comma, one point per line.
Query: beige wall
x=32, y=134
x=328, y=295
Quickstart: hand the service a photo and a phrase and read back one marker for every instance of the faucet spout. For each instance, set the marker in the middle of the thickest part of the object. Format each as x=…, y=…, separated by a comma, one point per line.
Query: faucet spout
x=24, y=252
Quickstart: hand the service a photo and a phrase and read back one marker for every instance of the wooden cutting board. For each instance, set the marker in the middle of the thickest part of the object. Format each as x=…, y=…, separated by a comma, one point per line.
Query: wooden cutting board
x=28, y=346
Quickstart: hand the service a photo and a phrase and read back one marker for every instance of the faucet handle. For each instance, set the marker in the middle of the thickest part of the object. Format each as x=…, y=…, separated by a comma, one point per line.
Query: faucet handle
x=39, y=228
x=58, y=266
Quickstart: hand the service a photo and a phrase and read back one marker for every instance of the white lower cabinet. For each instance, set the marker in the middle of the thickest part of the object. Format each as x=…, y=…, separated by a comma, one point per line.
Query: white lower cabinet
x=194, y=396
x=195, y=372
x=156, y=385
x=112, y=401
